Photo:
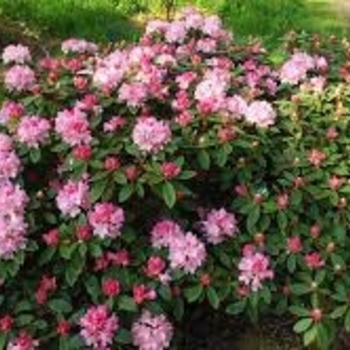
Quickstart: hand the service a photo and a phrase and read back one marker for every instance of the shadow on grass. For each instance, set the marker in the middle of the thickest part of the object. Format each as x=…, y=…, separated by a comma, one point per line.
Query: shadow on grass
x=94, y=20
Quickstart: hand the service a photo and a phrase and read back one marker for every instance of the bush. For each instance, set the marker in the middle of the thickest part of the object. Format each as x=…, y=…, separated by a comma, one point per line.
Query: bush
x=178, y=170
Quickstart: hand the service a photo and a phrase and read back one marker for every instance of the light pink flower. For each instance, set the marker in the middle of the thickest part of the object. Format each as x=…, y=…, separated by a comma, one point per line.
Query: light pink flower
x=74, y=45
x=151, y=135
x=9, y=110
x=176, y=32
x=133, y=94
x=19, y=78
x=254, y=269
x=33, y=130
x=152, y=332
x=74, y=128
x=164, y=233
x=16, y=54
x=73, y=197
x=6, y=144
x=98, y=327
x=23, y=342
x=236, y=105
x=212, y=26
x=10, y=165
x=114, y=124
x=187, y=252
x=260, y=113
x=218, y=225
x=106, y=219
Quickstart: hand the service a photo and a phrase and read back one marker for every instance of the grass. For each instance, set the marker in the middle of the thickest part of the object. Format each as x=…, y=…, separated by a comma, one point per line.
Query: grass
x=112, y=20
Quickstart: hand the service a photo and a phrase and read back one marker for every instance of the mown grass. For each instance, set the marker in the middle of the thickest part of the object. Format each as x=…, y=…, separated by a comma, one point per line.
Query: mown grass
x=111, y=20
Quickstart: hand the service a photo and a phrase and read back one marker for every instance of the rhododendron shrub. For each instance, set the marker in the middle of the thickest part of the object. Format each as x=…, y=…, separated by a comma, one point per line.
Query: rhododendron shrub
x=182, y=169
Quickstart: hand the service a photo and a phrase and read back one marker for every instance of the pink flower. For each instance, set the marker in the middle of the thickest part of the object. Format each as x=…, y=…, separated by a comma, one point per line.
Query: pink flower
x=155, y=266
x=6, y=324
x=73, y=197
x=176, y=32
x=260, y=113
x=164, y=233
x=74, y=45
x=133, y=94
x=254, y=269
x=19, y=78
x=294, y=244
x=151, y=135
x=33, y=130
x=10, y=165
x=10, y=110
x=187, y=252
x=98, y=327
x=52, y=238
x=73, y=126
x=335, y=182
x=141, y=293
x=106, y=220
x=283, y=201
x=212, y=26
x=23, y=342
x=184, y=80
x=16, y=54
x=152, y=332
x=316, y=157
x=82, y=152
x=237, y=105
x=114, y=124
x=111, y=287
x=295, y=70
x=314, y=261
x=170, y=170
x=219, y=224
x=12, y=224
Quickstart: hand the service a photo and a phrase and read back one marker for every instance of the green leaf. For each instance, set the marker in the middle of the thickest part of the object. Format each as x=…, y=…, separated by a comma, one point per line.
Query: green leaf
x=127, y=303
x=125, y=193
x=299, y=311
x=123, y=337
x=165, y=292
x=310, y=336
x=169, y=194
x=299, y=288
x=213, y=298
x=203, y=159
x=236, y=308
x=75, y=268
x=339, y=311
x=120, y=178
x=347, y=321
x=92, y=287
x=192, y=294
x=253, y=218
x=35, y=155
x=178, y=308
x=291, y=263
x=302, y=325
x=60, y=306
x=97, y=190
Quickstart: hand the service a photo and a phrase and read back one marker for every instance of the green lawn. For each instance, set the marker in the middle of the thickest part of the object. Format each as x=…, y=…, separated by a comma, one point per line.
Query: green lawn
x=110, y=20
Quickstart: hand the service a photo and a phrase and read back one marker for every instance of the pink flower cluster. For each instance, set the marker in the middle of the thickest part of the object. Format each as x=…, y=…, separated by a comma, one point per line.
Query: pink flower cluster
x=218, y=225
x=260, y=113
x=19, y=78
x=297, y=67
x=186, y=251
x=73, y=197
x=106, y=219
x=10, y=110
x=74, y=45
x=254, y=268
x=12, y=221
x=151, y=135
x=98, y=327
x=152, y=332
x=16, y=54
x=10, y=163
x=73, y=126
x=23, y=342
x=33, y=130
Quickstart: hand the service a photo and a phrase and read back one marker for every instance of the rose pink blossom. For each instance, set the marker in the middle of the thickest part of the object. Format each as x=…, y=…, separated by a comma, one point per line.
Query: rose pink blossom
x=98, y=327
x=254, y=269
x=33, y=130
x=114, y=124
x=219, y=224
x=74, y=128
x=314, y=260
x=142, y=293
x=184, y=80
x=294, y=244
x=106, y=219
x=187, y=252
x=170, y=170
x=73, y=197
x=155, y=267
x=316, y=157
x=16, y=54
x=10, y=165
x=133, y=94
x=164, y=233
x=152, y=332
x=9, y=110
x=151, y=135
x=260, y=113
x=23, y=342
x=74, y=45
x=107, y=77
x=19, y=78
x=236, y=105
